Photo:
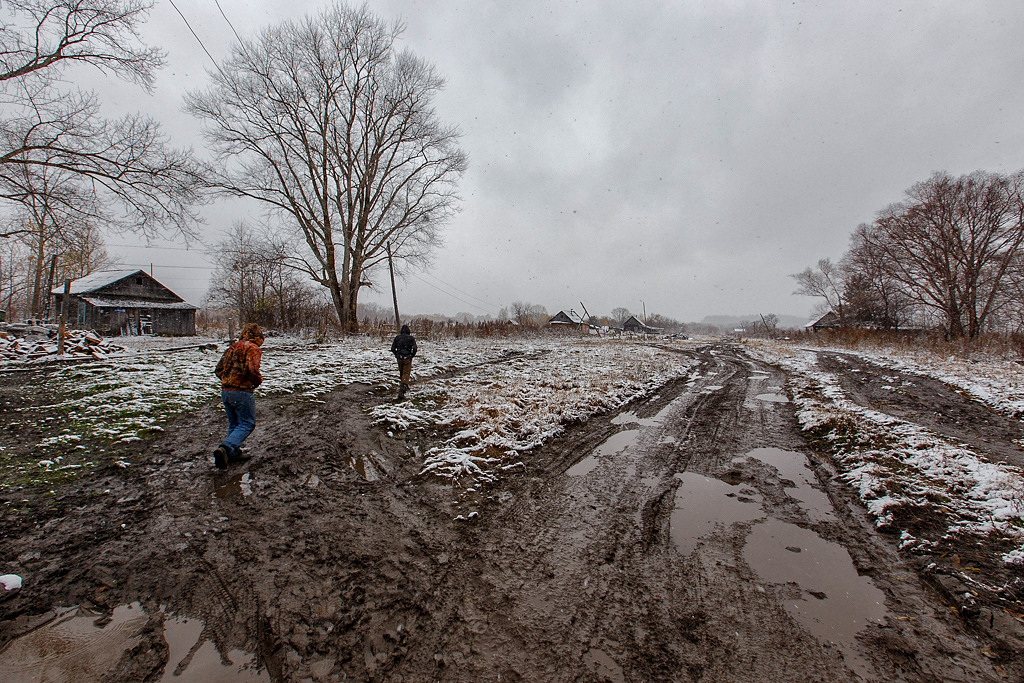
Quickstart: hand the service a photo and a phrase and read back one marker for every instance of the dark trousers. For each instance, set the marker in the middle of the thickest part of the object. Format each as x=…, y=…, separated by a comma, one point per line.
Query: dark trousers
x=240, y=407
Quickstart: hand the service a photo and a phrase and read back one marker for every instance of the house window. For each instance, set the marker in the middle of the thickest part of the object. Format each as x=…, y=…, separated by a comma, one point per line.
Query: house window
x=138, y=280
x=81, y=312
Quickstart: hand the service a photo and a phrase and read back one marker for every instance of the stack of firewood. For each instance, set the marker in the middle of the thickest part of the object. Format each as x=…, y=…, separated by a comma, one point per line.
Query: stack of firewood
x=77, y=343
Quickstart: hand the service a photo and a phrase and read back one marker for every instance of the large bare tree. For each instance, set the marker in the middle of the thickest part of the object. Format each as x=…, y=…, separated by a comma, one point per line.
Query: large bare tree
x=46, y=124
x=325, y=121
x=952, y=243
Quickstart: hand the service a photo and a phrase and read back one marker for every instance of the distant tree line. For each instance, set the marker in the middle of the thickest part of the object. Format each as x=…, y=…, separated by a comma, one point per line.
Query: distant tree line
x=949, y=256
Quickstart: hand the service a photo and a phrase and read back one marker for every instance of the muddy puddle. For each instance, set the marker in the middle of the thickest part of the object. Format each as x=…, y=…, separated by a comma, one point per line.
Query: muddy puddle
x=78, y=645
x=193, y=659
x=834, y=603
x=363, y=467
x=75, y=646
x=772, y=398
x=613, y=445
x=793, y=466
x=702, y=503
x=238, y=485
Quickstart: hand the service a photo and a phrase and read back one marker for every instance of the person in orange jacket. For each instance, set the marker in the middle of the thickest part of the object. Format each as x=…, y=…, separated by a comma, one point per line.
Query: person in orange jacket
x=239, y=374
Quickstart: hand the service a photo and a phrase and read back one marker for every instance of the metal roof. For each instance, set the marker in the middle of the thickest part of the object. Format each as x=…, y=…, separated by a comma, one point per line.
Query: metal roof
x=106, y=302
x=100, y=278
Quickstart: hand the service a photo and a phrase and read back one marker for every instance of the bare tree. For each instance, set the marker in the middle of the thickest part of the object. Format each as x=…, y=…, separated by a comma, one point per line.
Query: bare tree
x=330, y=125
x=526, y=313
x=826, y=282
x=45, y=126
x=620, y=315
x=952, y=245
x=254, y=279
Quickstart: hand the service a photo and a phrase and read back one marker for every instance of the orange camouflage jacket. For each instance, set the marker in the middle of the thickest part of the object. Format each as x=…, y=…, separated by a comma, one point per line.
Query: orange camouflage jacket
x=239, y=367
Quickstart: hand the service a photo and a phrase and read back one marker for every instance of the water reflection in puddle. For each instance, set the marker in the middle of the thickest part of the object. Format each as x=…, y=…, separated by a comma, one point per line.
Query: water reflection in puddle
x=72, y=647
x=772, y=398
x=615, y=444
x=629, y=417
x=193, y=659
x=793, y=466
x=835, y=602
x=363, y=467
x=702, y=502
x=239, y=485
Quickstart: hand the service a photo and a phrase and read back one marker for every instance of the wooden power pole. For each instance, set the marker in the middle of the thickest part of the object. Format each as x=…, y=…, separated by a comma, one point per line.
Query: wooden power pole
x=394, y=292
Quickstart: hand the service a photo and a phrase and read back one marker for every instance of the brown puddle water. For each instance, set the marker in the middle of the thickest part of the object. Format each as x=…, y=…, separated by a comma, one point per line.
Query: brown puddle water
x=703, y=502
x=193, y=659
x=835, y=602
x=616, y=443
x=72, y=648
x=793, y=466
x=239, y=485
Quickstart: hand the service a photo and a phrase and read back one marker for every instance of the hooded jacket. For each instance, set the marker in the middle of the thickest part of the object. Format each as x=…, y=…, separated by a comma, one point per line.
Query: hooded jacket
x=239, y=367
x=404, y=345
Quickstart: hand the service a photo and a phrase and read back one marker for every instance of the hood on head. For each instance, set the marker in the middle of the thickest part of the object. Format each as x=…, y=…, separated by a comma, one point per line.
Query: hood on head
x=406, y=330
x=252, y=332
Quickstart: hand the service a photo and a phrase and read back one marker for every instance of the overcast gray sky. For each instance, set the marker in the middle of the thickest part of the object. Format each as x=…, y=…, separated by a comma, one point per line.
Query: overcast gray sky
x=688, y=155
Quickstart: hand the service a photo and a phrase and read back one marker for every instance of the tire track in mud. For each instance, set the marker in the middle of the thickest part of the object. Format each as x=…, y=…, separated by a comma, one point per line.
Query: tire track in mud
x=572, y=573
x=931, y=404
x=591, y=587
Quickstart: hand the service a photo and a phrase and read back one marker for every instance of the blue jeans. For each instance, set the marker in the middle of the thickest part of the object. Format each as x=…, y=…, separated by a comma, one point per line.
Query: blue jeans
x=241, y=409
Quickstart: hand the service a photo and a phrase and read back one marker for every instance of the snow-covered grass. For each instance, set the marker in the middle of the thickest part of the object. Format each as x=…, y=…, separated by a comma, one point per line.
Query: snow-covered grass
x=894, y=463
x=501, y=409
x=504, y=409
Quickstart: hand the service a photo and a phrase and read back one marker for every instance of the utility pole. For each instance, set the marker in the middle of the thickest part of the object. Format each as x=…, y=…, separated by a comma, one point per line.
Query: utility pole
x=587, y=313
x=49, y=286
x=394, y=293
x=63, y=317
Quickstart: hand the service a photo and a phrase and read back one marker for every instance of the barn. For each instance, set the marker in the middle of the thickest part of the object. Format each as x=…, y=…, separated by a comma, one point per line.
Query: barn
x=829, y=320
x=632, y=324
x=126, y=302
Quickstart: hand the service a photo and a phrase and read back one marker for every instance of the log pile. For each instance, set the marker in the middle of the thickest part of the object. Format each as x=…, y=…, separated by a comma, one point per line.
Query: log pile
x=77, y=344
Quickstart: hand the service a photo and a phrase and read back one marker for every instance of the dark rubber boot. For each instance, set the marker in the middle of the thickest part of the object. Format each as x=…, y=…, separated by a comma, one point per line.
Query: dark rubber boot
x=220, y=458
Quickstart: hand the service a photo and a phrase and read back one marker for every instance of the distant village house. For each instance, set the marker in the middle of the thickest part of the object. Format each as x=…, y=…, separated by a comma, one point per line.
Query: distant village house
x=633, y=325
x=827, y=321
x=126, y=302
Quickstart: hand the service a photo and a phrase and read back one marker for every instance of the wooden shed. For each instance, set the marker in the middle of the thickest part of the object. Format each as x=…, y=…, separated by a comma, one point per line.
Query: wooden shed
x=827, y=321
x=126, y=302
x=634, y=325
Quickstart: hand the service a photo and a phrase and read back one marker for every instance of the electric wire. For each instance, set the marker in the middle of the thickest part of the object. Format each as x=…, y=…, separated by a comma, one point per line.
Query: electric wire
x=475, y=298
x=468, y=303
x=198, y=39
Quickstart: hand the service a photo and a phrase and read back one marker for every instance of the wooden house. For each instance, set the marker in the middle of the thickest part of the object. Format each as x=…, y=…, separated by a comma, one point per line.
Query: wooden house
x=827, y=321
x=633, y=325
x=126, y=302
x=570, y=320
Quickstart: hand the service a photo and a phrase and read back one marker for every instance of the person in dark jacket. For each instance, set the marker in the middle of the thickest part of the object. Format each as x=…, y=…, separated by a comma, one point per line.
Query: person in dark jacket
x=239, y=374
x=404, y=348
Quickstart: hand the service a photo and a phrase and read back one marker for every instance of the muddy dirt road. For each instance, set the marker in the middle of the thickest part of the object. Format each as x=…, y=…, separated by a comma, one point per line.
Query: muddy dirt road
x=689, y=537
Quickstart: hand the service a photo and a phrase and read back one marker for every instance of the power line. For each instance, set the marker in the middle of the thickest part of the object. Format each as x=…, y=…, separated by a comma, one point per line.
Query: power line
x=197, y=39
x=229, y=22
x=476, y=298
x=157, y=265
x=135, y=246
x=468, y=303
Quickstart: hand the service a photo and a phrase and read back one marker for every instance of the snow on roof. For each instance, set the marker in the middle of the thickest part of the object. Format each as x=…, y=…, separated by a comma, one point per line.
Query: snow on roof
x=107, y=302
x=94, y=281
